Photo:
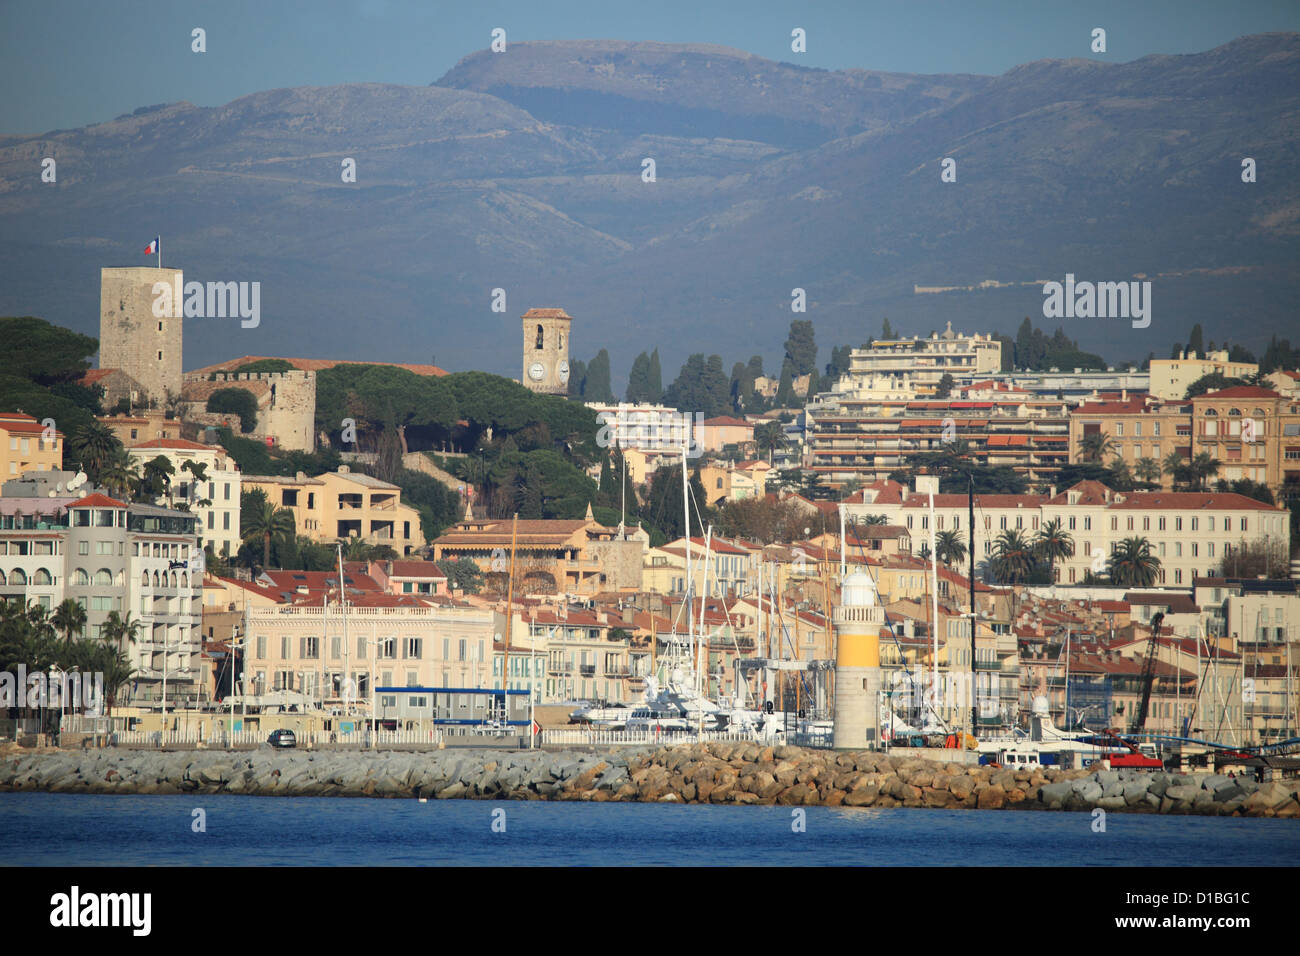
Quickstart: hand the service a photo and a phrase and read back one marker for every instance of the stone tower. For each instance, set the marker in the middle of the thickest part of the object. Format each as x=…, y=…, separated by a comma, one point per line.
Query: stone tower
x=858, y=621
x=145, y=346
x=546, y=351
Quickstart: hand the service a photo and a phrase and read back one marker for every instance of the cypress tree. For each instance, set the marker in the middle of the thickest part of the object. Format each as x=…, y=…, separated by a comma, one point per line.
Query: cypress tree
x=655, y=388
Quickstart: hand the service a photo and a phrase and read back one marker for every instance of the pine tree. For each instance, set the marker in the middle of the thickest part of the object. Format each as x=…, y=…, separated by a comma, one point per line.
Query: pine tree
x=785, y=391
x=577, y=378
x=1195, y=342
x=801, y=347
x=638, y=380
x=655, y=388
x=887, y=332
x=596, y=387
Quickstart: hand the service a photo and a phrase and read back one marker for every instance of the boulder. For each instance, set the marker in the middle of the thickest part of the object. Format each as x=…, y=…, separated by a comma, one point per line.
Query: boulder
x=992, y=797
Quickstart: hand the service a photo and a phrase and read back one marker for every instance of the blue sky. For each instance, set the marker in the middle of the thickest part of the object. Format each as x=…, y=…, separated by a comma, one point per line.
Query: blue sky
x=66, y=63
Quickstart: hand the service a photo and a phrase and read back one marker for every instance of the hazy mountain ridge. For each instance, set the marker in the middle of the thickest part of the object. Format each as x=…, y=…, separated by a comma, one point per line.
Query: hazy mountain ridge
x=769, y=176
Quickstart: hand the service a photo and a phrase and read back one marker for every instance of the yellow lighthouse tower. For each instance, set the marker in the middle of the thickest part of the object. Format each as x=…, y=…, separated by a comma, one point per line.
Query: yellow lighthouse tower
x=858, y=621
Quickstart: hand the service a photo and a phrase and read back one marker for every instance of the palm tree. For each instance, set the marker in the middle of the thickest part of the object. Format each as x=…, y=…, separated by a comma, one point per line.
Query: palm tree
x=769, y=436
x=1148, y=470
x=119, y=476
x=266, y=523
x=120, y=631
x=1203, y=466
x=949, y=547
x=70, y=618
x=1093, y=448
x=1121, y=478
x=1053, y=544
x=1013, y=557
x=1132, y=564
x=1173, y=467
x=94, y=445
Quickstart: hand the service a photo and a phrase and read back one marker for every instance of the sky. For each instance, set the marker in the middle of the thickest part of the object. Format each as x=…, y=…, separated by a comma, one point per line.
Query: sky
x=70, y=63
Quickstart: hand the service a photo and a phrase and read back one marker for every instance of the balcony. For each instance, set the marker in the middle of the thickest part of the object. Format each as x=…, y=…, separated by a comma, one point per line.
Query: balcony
x=587, y=670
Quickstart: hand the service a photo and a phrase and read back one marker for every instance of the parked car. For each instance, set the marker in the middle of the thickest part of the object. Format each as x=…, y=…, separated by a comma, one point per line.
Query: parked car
x=282, y=738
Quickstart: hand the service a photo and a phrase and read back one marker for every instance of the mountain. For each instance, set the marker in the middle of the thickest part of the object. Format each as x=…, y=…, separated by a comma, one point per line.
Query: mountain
x=522, y=171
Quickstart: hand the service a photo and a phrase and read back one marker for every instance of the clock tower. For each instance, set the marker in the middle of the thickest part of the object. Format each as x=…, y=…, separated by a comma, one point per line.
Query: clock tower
x=546, y=351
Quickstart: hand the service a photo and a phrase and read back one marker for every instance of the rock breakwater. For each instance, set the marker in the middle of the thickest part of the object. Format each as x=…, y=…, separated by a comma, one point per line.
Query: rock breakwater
x=716, y=773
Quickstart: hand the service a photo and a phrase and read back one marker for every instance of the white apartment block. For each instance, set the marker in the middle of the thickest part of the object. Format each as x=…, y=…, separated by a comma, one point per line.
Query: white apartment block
x=219, y=518
x=329, y=655
x=1190, y=532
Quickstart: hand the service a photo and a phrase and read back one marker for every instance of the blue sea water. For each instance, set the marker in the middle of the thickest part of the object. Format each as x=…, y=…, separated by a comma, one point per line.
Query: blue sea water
x=51, y=829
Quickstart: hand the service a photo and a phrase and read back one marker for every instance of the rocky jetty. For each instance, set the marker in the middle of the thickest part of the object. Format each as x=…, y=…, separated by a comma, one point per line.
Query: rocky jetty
x=718, y=773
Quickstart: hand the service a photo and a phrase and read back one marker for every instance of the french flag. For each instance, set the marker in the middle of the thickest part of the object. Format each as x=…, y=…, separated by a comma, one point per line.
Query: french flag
x=152, y=248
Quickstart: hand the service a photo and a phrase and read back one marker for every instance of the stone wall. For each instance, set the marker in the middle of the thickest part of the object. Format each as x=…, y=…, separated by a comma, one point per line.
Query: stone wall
x=289, y=414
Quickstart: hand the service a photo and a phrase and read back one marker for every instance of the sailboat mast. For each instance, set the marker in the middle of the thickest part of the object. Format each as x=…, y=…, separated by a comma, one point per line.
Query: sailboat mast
x=343, y=601
x=686, y=527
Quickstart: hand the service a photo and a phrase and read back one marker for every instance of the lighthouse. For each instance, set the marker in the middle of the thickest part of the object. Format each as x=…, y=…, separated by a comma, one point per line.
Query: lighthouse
x=858, y=621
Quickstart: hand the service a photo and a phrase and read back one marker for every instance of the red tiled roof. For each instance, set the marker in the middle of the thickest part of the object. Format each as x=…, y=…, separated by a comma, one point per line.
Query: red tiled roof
x=314, y=365
x=97, y=501
x=416, y=569
x=727, y=420
x=1188, y=501
x=177, y=443
x=18, y=422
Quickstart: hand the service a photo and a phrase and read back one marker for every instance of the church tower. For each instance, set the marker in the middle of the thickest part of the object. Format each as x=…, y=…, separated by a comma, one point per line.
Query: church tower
x=546, y=351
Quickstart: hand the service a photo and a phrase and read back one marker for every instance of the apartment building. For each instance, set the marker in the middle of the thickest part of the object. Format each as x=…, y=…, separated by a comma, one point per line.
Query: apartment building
x=344, y=504
x=215, y=499
x=1252, y=432
x=734, y=481
x=25, y=447
x=723, y=567
x=1190, y=532
x=1170, y=378
x=551, y=556
x=927, y=360
x=852, y=439
x=311, y=644
x=137, y=560
x=133, y=429
x=584, y=658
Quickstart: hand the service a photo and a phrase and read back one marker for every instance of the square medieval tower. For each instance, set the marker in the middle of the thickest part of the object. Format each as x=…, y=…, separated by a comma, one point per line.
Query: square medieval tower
x=546, y=351
x=132, y=338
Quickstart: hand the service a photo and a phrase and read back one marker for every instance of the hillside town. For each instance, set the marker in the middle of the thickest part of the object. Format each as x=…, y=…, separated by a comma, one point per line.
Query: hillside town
x=1085, y=543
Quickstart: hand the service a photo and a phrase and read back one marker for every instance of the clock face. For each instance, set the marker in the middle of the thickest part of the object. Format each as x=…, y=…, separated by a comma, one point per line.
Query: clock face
x=536, y=371
x=563, y=369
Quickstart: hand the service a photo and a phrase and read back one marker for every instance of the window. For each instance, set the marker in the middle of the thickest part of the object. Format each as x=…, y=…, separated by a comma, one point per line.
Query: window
x=225, y=521
x=261, y=647
x=310, y=648
x=284, y=648
x=83, y=547
x=414, y=649
x=1119, y=429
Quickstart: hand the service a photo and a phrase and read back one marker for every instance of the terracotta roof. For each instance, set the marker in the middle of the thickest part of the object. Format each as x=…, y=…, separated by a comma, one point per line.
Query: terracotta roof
x=727, y=420
x=314, y=365
x=18, y=422
x=416, y=569
x=178, y=444
x=97, y=501
x=1188, y=501
x=96, y=374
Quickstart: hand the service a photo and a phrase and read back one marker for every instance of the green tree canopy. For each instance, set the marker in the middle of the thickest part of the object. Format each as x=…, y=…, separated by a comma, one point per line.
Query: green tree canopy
x=235, y=401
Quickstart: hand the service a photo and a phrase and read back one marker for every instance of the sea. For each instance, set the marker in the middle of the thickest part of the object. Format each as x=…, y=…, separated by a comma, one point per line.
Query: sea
x=53, y=829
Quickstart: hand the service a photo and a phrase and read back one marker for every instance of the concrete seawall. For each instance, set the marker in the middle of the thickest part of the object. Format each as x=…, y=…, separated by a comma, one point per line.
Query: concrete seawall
x=717, y=773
